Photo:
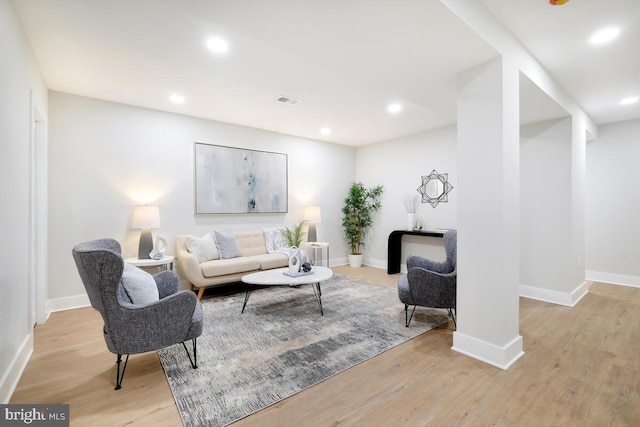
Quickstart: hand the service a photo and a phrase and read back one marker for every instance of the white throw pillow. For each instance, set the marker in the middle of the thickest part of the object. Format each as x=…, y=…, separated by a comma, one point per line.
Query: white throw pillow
x=139, y=285
x=274, y=239
x=227, y=245
x=203, y=248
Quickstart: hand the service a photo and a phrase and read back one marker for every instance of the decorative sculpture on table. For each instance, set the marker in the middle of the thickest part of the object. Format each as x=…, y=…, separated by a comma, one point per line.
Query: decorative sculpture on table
x=297, y=258
x=159, y=248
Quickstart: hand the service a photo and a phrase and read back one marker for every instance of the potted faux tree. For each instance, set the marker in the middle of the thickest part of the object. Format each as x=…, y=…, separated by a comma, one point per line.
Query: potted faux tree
x=358, y=209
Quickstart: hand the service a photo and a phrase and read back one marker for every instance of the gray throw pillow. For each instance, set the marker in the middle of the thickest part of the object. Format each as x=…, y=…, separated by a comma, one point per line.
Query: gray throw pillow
x=139, y=285
x=227, y=245
x=203, y=248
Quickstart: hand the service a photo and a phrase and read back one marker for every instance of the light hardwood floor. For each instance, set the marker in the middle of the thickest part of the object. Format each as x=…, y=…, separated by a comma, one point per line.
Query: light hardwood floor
x=581, y=368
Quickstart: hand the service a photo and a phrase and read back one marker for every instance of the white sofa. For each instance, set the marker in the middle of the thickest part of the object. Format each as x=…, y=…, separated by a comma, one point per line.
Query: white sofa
x=217, y=271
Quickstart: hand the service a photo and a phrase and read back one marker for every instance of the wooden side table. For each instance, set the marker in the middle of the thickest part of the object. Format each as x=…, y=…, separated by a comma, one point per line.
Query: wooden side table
x=165, y=263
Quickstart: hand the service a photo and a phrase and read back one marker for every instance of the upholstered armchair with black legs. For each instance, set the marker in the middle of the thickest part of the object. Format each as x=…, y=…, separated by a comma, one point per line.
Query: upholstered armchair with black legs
x=430, y=283
x=141, y=312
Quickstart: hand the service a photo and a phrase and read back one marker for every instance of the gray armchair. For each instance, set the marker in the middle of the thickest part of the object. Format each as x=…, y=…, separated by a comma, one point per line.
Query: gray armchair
x=430, y=283
x=132, y=327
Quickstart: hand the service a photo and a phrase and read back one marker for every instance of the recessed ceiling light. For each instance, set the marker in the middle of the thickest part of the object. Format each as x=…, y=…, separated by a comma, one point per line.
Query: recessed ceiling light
x=604, y=36
x=288, y=100
x=176, y=99
x=217, y=45
x=325, y=131
x=629, y=100
x=394, y=108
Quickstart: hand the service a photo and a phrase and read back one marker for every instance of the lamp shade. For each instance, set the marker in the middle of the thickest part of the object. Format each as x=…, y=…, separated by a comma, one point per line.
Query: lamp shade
x=313, y=214
x=145, y=217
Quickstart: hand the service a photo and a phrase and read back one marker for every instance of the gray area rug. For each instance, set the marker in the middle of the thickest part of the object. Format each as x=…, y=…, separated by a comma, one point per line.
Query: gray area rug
x=282, y=345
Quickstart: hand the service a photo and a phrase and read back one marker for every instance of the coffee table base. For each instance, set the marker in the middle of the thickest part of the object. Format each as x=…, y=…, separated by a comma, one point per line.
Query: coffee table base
x=317, y=290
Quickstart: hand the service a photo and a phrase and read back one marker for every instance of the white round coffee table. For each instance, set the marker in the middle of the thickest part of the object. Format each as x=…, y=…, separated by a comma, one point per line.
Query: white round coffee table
x=277, y=277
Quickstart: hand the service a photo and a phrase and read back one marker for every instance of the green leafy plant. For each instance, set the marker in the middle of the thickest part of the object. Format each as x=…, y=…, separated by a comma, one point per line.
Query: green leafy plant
x=359, y=207
x=293, y=236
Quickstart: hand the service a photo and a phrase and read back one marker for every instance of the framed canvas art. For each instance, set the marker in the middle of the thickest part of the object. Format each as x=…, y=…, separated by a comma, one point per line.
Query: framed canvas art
x=231, y=180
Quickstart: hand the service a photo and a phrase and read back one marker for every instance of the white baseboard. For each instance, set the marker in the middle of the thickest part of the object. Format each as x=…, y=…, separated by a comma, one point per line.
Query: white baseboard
x=614, y=279
x=372, y=262
x=568, y=299
x=338, y=261
x=68, y=303
x=500, y=357
x=10, y=379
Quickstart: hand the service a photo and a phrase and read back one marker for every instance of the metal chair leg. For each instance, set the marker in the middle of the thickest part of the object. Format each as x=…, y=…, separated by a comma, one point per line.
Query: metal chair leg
x=407, y=318
x=120, y=376
x=453, y=316
x=194, y=361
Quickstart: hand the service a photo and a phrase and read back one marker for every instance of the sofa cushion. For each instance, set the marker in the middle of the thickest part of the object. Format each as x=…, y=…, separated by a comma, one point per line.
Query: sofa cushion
x=269, y=261
x=203, y=248
x=227, y=245
x=139, y=286
x=223, y=267
x=251, y=242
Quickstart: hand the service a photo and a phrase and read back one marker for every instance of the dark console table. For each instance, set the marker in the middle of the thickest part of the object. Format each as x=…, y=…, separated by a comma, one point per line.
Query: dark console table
x=395, y=244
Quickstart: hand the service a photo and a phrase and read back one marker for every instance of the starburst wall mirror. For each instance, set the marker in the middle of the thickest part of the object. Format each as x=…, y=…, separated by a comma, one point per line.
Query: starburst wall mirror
x=435, y=188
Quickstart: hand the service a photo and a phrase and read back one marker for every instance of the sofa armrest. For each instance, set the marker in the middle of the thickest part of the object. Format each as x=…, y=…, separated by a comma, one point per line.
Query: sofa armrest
x=435, y=288
x=188, y=266
x=421, y=262
x=139, y=329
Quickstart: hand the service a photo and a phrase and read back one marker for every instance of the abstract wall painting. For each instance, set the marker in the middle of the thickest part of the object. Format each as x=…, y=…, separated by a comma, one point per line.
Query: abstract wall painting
x=232, y=180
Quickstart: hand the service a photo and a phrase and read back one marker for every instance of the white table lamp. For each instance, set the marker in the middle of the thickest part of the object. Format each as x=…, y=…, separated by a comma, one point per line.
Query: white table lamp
x=146, y=218
x=314, y=216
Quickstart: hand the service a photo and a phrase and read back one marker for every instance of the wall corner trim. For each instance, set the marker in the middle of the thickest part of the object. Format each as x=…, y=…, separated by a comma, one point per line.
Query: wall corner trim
x=568, y=299
x=500, y=357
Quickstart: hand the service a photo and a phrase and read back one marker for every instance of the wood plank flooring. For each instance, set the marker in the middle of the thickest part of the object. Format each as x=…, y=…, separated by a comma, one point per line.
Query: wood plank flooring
x=581, y=368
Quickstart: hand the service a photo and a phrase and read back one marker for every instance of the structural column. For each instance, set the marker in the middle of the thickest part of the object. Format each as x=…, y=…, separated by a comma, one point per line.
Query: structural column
x=488, y=214
x=552, y=204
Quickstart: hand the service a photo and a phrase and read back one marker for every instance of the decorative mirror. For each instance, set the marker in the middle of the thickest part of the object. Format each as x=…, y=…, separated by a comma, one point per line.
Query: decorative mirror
x=434, y=188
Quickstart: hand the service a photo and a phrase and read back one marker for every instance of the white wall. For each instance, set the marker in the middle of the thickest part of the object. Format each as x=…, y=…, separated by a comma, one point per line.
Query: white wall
x=399, y=165
x=104, y=158
x=613, y=204
x=19, y=78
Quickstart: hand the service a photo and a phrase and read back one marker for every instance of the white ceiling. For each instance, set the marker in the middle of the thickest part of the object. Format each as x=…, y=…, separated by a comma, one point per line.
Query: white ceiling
x=345, y=59
x=597, y=77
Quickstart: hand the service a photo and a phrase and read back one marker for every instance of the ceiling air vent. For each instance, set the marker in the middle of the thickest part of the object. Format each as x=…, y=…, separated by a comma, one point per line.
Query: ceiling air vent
x=287, y=100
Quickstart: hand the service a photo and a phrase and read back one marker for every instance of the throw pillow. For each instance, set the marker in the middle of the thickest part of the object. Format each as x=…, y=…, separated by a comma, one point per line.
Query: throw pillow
x=139, y=285
x=227, y=245
x=203, y=248
x=274, y=239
